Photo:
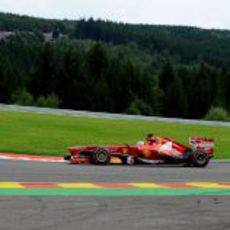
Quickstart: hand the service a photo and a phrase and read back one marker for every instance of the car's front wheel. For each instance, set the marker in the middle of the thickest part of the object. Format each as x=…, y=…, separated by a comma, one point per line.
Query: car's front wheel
x=67, y=157
x=101, y=156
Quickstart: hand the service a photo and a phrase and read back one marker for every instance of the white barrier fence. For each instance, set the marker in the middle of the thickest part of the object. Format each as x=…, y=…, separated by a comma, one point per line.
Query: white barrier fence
x=109, y=115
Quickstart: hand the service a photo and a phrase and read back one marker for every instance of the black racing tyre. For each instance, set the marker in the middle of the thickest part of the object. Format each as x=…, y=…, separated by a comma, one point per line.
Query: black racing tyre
x=200, y=159
x=101, y=156
x=67, y=157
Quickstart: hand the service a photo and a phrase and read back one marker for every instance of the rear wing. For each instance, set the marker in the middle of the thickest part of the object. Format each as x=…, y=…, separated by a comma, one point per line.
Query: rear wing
x=203, y=144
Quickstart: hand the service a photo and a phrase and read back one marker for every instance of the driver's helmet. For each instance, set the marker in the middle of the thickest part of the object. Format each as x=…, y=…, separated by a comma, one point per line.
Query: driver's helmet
x=140, y=143
x=150, y=137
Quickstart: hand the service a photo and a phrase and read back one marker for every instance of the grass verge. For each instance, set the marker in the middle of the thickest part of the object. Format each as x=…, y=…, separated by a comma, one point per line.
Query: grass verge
x=53, y=134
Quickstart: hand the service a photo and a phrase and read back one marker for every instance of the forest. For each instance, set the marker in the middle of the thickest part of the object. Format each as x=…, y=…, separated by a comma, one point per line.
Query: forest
x=97, y=65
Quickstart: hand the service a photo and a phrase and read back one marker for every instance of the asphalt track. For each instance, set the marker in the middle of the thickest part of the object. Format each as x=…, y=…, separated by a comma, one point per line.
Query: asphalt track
x=25, y=171
x=113, y=212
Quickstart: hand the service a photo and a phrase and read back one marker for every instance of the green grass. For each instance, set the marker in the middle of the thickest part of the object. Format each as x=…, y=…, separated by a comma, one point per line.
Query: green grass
x=53, y=134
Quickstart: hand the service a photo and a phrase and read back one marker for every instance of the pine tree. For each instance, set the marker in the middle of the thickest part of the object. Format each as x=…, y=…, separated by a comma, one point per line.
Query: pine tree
x=44, y=79
x=227, y=95
x=203, y=96
x=175, y=104
x=175, y=99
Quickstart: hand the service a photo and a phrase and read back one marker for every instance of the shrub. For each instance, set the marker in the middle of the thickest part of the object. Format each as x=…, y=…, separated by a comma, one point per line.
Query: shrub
x=139, y=107
x=217, y=114
x=52, y=101
x=22, y=97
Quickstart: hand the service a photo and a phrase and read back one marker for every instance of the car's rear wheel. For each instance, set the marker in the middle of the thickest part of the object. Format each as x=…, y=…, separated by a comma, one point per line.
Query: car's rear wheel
x=200, y=159
x=101, y=156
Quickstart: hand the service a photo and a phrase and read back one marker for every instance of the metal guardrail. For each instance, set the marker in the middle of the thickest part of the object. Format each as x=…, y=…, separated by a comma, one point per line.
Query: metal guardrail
x=68, y=112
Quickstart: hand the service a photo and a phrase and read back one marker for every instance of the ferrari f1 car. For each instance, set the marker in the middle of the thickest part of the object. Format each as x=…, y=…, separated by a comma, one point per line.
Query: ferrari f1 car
x=158, y=150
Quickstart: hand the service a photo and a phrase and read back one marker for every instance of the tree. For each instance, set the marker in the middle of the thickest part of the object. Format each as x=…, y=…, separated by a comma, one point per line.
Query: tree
x=8, y=81
x=44, y=79
x=166, y=76
x=203, y=91
x=69, y=79
x=96, y=67
x=175, y=99
x=175, y=104
x=227, y=94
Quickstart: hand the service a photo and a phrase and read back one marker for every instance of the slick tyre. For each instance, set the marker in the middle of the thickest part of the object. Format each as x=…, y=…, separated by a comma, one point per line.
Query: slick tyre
x=67, y=157
x=200, y=159
x=101, y=157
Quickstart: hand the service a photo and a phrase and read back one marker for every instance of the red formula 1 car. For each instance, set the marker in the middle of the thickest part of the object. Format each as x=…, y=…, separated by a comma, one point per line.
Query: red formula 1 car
x=158, y=150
